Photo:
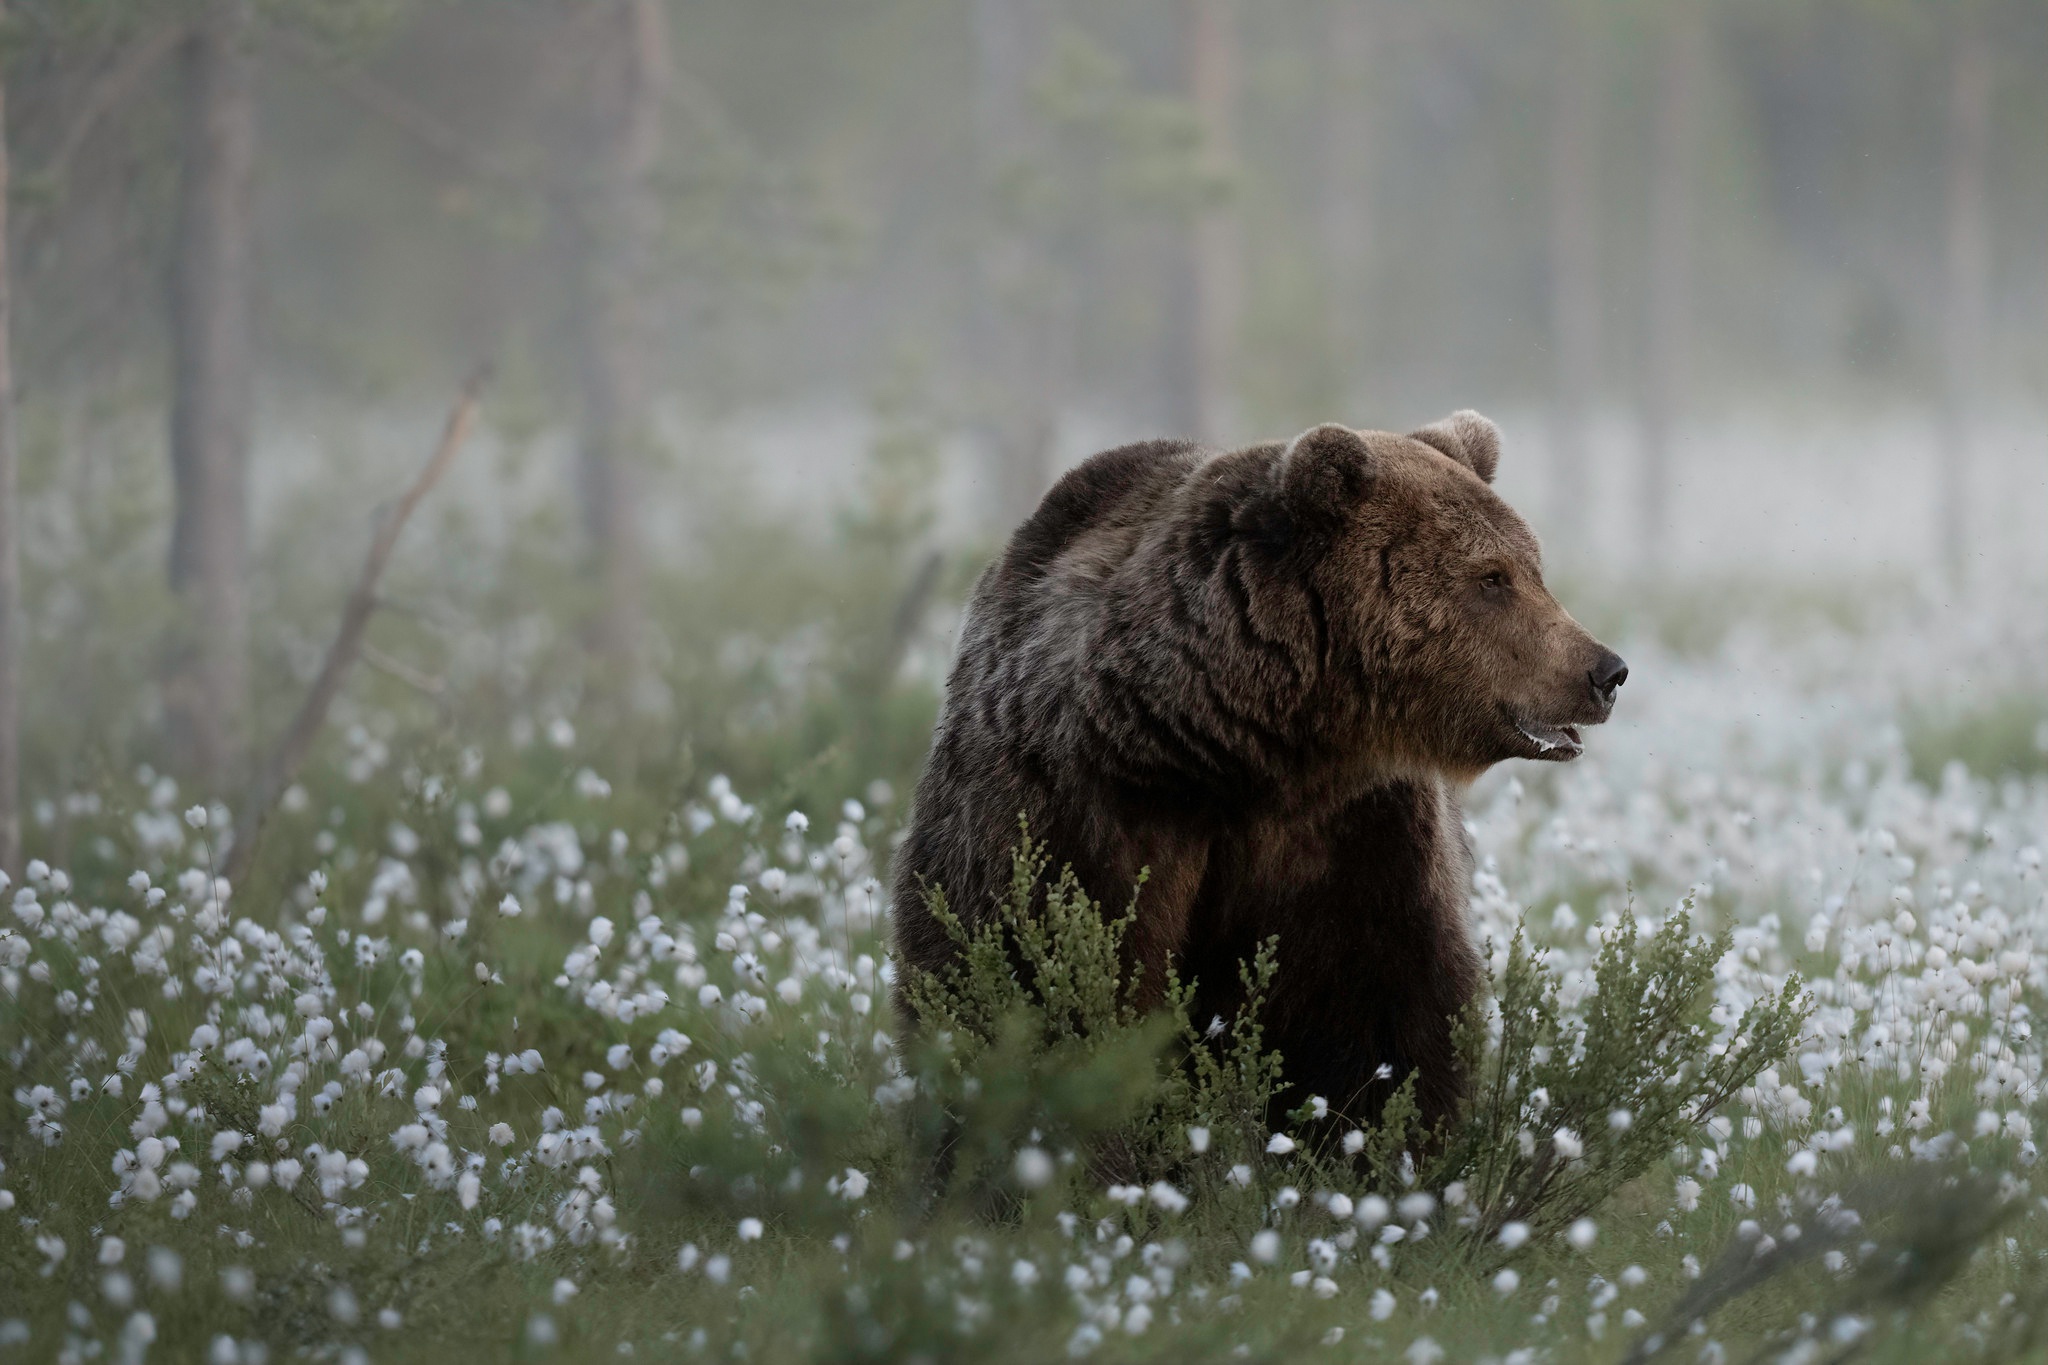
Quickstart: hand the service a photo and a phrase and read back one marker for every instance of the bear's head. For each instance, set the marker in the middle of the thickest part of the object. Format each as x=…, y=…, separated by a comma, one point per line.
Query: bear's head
x=1434, y=585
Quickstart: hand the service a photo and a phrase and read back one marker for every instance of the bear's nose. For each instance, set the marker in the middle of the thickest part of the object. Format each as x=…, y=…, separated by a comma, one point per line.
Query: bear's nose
x=1607, y=675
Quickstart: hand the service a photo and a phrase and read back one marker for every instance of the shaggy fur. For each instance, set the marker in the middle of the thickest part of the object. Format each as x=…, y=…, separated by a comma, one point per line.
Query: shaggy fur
x=1263, y=674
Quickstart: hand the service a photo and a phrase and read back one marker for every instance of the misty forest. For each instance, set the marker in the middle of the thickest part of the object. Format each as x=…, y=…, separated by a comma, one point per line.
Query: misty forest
x=488, y=495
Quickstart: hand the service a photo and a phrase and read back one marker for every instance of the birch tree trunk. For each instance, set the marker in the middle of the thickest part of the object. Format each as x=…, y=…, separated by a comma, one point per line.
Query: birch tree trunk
x=620, y=233
x=11, y=633
x=1967, y=297
x=1574, y=271
x=1673, y=174
x=207, y=691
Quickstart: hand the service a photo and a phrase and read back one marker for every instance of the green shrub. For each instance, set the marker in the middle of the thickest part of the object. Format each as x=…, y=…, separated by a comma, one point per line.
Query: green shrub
x=1040, y=1030
x=1566, y=1109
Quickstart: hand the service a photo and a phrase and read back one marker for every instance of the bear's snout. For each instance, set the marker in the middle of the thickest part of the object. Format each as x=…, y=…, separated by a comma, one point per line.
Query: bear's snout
x=1607, y=675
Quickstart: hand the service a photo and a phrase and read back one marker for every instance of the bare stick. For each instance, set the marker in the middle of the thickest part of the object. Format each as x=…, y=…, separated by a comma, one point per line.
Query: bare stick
x=298, y=740
x=401, y=670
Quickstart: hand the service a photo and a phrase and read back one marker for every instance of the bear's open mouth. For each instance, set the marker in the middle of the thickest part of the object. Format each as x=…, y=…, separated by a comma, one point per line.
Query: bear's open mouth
x=1558, y=743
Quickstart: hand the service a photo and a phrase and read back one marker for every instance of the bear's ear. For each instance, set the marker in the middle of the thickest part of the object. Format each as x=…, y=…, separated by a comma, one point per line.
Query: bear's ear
x=1324, y=473
x=1470, y=439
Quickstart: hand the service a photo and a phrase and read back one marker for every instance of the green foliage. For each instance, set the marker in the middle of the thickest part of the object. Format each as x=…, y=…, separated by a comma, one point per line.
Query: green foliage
x=1228, y=1080
x=1567, y=1108
x=1047, y=954
x=2006, y=735
x=1568, y=1105
x=1035, y=1033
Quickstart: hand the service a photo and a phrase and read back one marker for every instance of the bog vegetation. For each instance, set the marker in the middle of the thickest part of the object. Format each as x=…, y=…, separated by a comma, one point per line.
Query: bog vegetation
x=551, y=1017
x=540, y=1043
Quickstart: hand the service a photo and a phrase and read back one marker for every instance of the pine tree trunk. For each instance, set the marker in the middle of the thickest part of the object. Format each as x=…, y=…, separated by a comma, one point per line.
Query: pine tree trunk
x=1574, y=273
x=11, y=632
x=1347, y=218
x=1014, y=319
x=1967, y=296
x=620, y=234
x=206, y=694
x=1668, y=357
x=1208, y=299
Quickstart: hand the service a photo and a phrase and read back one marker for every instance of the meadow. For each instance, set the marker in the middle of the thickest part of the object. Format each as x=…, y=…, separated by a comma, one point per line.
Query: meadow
x=523, y=1042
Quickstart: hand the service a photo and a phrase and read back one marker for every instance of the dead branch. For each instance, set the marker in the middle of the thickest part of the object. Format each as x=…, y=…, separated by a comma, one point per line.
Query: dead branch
x=298, y=739
x=398, y=668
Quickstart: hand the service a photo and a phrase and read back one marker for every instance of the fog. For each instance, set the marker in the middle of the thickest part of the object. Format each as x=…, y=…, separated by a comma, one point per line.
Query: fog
x=1758, y=293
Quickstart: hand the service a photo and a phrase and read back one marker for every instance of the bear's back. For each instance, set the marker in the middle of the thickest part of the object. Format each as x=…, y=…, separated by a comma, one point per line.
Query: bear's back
x=1083, y=529
x=1097, y=508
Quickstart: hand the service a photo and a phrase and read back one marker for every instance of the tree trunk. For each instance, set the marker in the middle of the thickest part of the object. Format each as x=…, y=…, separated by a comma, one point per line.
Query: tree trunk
x=11, y=633
x=1968, y=276
x=620, y=234
x=1201, y=382
x=1347, y=218
x=1013, y=323
x=1668, y=353
x=207, y=692
x=1574, y=271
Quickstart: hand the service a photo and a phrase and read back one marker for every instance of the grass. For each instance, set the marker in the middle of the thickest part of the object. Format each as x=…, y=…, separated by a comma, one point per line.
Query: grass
x=1061, y=1178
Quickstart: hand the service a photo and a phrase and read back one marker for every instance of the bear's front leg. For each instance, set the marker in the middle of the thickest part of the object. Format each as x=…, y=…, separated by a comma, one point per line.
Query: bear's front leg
x=1374, y=962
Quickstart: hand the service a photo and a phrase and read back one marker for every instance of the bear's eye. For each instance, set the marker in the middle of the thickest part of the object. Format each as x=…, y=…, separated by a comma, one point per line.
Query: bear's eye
x=1494, y=582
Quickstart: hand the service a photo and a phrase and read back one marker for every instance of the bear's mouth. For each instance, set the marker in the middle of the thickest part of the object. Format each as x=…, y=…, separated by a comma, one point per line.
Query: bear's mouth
x=1551, y=743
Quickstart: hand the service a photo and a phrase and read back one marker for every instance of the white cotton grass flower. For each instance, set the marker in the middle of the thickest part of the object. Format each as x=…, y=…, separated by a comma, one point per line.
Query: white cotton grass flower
x=1265, y=1246
x=1381, y=1306
x=1166, y=1198
x=1033, y=1168
x=1279, y=1145
x=1582, y=1234
x=1416, y=1206
x=1506, y=1282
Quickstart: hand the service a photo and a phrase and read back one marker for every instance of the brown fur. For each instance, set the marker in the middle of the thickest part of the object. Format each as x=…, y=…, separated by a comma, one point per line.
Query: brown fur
x=1263, y=674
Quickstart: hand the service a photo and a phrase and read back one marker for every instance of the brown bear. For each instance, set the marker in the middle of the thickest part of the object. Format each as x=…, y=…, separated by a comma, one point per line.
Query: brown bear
x=1264, y=675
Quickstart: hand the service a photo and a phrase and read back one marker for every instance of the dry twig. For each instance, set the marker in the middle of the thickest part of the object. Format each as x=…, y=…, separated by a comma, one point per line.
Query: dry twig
x=298, y=739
